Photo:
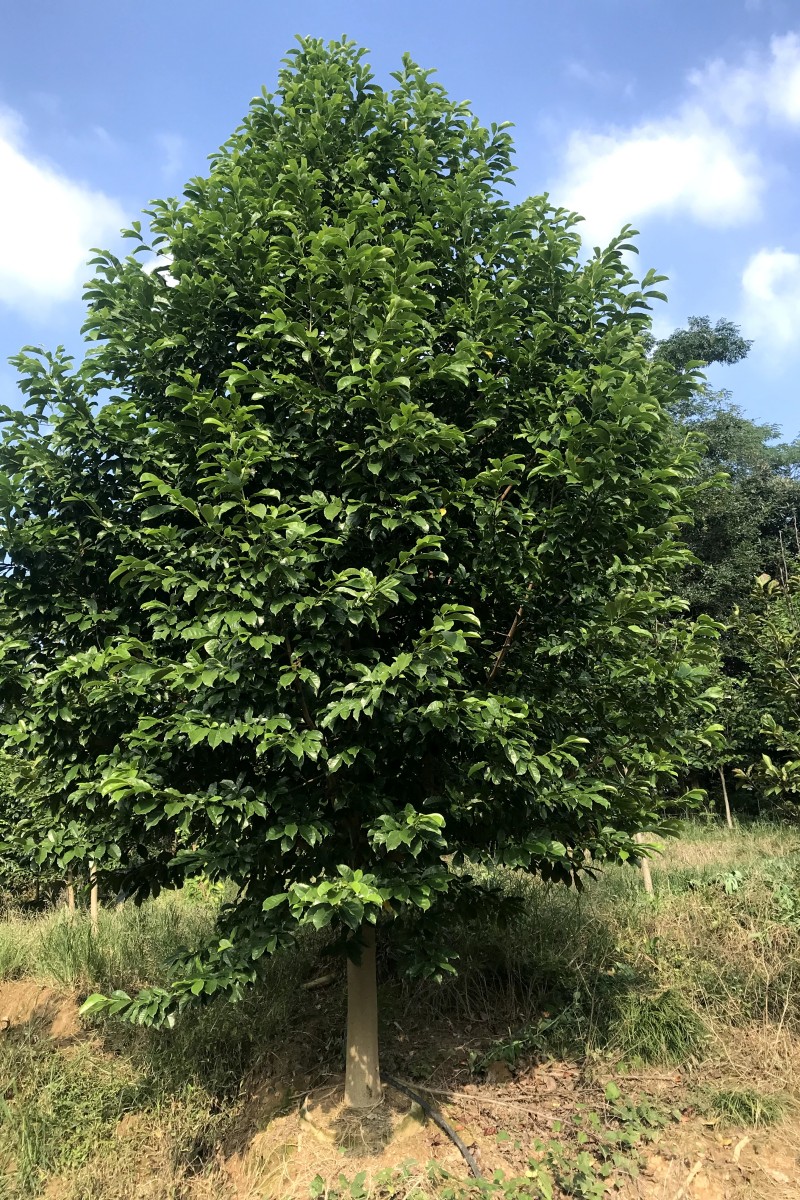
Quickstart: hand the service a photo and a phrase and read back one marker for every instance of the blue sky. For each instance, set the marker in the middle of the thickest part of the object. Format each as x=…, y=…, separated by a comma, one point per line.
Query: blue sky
x=680, y=117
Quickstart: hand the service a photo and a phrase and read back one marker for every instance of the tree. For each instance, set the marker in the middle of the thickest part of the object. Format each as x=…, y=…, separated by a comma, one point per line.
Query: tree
x=749, y=491
x=738, y=529
x=704, y=343
x=24, y=821
x=744, y=512
x=360, y=574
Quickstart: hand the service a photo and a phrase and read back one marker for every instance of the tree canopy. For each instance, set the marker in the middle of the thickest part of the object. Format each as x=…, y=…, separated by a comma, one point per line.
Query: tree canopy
x=702, y=342
x=343, y=559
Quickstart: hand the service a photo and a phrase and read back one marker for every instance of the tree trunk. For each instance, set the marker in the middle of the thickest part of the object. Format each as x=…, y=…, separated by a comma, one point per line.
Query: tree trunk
x=728, y=817
x=70, y=895
x=94, y=899
x=362, y=1085
x=644, y=864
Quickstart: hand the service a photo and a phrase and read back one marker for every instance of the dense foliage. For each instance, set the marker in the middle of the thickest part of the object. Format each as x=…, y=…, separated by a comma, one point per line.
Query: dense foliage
x=25, y=819
x=769, y=637
x=745, y=525
x=361, y=572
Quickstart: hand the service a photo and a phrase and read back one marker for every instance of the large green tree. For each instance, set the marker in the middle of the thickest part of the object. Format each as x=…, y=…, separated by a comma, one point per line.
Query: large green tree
x=360, y=573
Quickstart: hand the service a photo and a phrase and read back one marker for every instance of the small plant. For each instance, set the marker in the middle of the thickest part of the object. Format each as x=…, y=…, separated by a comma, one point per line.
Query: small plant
x=510, y=1050
x=786, y=897
x=729, y=881
x=590, y=1152
x=202, y=890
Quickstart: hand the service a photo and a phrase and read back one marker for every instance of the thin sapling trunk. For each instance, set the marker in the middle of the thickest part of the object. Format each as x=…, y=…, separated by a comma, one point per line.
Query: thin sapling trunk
x=362, y=1085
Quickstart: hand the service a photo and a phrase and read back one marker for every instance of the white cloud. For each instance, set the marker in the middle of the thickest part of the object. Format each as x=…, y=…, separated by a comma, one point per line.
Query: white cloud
x=577, y=70
x=765, y=85
x=161, y=263
x=680, y=165
x=771, y=299
x=699, y=161
x=48, y=223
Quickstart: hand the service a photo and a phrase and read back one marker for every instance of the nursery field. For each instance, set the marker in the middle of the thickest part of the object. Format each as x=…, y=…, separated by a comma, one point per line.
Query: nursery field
x=597, y=1043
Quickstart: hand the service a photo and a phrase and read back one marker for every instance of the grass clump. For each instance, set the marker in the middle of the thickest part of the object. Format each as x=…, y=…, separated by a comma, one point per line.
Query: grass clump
x=55, y=1109
x=656, y=1029
x=61, y=1117
x=18, y=937
x=746, y=1106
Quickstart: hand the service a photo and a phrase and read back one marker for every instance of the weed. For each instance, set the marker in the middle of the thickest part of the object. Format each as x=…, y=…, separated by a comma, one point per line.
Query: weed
x=787, y=903
x=55, y=1108
x=16, y=940
x=590, y=1156
x=132, y=947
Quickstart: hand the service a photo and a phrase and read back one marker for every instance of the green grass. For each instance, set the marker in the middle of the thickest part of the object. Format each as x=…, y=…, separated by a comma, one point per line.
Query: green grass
x=131, y=948
x=645, y=979
x=662, y=1029
x=56, y=1108
x=746, y=1106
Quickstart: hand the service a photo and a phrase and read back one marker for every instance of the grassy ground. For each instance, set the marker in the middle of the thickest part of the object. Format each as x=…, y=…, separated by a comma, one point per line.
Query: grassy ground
x=599, y=1039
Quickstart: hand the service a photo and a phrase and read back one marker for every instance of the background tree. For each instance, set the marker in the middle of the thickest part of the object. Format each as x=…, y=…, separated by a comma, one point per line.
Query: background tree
x=737, y=526
x=25, y=819
x=769, y=638
x=361, y=574
x=702, y=343
x=744, y=514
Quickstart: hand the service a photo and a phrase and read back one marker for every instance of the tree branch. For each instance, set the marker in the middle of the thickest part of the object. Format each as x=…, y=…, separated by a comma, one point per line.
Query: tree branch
x=509, y=638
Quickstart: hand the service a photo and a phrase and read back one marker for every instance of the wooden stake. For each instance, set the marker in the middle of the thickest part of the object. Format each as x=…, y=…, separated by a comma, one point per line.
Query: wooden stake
x=94, y=899
x=644, y=864
x=728, y=817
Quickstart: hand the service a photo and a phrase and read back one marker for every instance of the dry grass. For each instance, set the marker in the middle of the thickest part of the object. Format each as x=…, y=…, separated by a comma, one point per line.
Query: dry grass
x=714, y=847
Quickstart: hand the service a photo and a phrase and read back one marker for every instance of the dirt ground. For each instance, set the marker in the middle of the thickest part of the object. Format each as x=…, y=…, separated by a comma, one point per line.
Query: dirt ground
x=273, y=1151
x=690, y=1159
x=26, y=1002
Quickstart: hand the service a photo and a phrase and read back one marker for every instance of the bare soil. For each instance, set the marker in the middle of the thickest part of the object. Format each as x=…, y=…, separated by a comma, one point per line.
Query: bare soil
x=692, y=1159
x=26, y=1002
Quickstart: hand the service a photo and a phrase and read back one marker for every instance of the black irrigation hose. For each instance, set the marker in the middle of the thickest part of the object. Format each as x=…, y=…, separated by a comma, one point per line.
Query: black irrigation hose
x=437, y=1119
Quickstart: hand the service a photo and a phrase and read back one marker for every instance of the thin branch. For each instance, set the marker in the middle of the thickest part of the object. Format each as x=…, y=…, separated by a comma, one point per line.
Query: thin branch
x=509, y=638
